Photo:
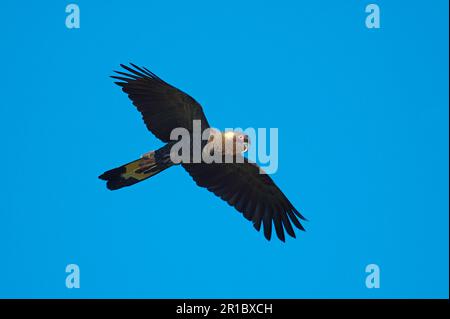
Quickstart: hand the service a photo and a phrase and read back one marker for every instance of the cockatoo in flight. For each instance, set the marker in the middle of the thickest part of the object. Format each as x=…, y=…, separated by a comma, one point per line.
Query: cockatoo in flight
x=240, y=183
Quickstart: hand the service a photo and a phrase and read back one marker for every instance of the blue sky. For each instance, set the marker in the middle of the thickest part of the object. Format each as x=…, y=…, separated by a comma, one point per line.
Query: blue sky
x=363, y=149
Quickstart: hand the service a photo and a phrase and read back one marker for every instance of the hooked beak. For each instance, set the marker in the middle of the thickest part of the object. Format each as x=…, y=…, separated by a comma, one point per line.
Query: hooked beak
x=246, y=142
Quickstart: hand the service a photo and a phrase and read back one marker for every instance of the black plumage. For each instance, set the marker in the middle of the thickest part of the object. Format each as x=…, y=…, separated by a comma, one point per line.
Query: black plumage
x=253, y=194
x=163, y=107
x=240, y=184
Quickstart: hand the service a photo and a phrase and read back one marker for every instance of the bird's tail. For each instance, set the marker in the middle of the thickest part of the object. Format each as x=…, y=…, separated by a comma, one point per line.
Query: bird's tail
x=134, y=172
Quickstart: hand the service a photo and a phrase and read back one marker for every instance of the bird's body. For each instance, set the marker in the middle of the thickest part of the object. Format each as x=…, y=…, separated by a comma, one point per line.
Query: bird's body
x=240, y=182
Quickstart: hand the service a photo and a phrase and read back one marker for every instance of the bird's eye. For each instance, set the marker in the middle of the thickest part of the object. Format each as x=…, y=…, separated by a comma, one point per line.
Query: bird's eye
x=241, y=137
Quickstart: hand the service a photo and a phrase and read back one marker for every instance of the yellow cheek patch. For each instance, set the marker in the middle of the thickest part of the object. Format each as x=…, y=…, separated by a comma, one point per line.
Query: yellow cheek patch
x=229, y=134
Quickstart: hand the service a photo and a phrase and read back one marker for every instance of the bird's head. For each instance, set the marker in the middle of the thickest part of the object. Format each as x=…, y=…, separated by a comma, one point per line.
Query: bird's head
x=241, y=141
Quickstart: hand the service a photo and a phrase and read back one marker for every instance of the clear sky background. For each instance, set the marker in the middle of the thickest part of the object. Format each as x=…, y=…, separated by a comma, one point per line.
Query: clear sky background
x=363, y=135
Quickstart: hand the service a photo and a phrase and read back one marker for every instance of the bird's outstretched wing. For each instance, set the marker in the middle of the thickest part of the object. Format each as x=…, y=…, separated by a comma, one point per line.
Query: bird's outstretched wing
x=163, y=107
x=253, y=194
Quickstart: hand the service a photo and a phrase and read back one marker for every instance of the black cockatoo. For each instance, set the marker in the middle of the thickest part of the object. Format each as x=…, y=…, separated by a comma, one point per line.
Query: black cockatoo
x=240, y=183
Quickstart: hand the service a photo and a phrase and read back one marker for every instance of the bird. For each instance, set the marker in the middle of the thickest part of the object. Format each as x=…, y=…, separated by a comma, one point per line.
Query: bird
x=242, y=183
